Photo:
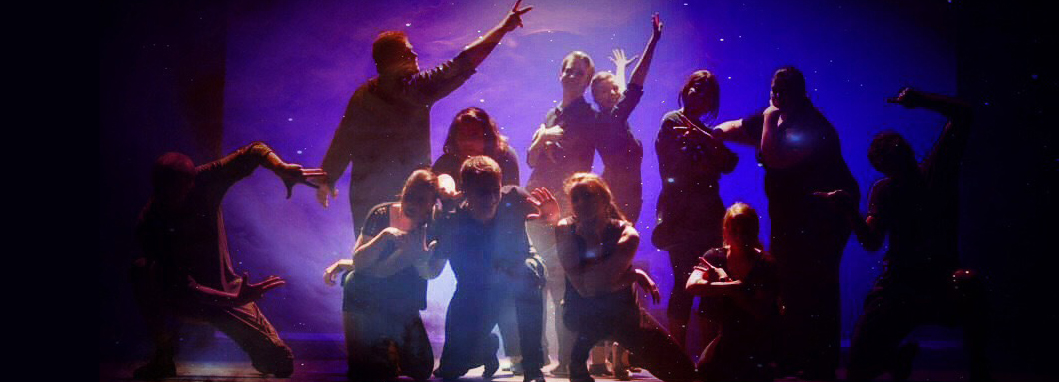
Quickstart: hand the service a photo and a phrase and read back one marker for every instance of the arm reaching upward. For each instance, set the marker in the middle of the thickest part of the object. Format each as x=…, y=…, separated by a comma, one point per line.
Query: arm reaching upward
x=639, y=75
x=477, y=51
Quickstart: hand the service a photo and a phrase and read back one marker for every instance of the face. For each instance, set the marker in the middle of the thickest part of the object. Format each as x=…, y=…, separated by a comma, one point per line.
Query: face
x=482, y=199
x=470, y=138
x=575, y=75
x=697, y=98
x=418, y=204
x=781, y=98
x=408, y=60
x=586, y=204
x=606, y=93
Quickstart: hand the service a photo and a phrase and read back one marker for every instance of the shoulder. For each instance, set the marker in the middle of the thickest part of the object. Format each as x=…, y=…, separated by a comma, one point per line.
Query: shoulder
x=508, y=154
x=715, y=255
x=671, y=117
x=381, y=209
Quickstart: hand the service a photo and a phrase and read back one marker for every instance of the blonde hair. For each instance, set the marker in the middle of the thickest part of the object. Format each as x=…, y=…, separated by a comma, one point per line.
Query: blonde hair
x=741, y=226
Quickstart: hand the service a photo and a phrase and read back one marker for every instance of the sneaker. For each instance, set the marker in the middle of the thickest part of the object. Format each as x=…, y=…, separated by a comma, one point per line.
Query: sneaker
x=492, y=363
x=155, y=370
x=515, y=368
x=562, y=370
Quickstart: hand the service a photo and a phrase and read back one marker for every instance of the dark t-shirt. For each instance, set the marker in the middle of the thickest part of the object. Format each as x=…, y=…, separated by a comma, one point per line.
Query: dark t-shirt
x=622, y=153
x=507, y=159
x=690, y=171
x=790, y=190
x=190, y=240
x=476, y=251
x=404, y=290
x=576, y=148
x=762, y=284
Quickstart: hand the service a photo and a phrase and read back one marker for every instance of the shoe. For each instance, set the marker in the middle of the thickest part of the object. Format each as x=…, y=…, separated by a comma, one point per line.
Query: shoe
x=562, y=371
x=533, y=377
x=155, y=370
x=492, y=363
x=515, y=368
x=903, y=364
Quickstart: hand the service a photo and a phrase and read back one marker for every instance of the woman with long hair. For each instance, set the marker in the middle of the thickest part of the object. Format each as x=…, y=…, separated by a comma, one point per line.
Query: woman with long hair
x=473, y=132
x=596, y=246
x=691, y=160
x=739, y=285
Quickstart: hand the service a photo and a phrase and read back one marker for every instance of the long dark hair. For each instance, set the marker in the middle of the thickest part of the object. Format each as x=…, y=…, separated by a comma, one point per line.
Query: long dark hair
x=495, y=143
x=596, y=185
x=710, y=86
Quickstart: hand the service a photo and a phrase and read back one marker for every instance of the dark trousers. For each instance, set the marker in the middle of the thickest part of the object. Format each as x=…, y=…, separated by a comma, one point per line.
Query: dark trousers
x=383, y=345
x=617, y=316
x=808, y=251
x=475, y=309
x=244, y=324
x=683, y=258
x=895, y=307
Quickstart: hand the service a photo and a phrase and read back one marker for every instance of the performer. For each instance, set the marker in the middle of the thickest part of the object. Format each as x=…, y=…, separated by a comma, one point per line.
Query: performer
x=486, y=243
x=596, y=247
x=800, y=152
x=917, y=207
x=621, y=152
x=186, y=272
x=739, y=285
x=691, y=159
x=564, y=144
x=386, y=287
x=385, y=131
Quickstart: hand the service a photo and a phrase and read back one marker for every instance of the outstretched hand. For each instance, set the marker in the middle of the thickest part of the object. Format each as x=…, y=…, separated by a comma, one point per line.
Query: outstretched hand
x=293, y=174
x=252, y=292
x=514, y=18
x=619, y=59
x=656, y=26
x=547, y=206
x=908, y=97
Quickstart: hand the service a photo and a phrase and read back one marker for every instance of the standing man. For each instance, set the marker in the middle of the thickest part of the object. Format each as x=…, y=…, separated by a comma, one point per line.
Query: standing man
x=385, y=131
x=563, y=145
x=800, y=152
x=186, y=272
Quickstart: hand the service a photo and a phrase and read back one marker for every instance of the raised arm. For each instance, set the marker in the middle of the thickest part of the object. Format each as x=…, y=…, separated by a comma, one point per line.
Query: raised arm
x=639, y=75
x=224, y=172
x=477, y=51
x=943, y=160
x=733, y=131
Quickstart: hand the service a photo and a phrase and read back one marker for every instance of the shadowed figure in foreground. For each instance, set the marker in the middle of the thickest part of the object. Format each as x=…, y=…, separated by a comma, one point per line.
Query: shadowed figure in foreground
x=387, y=287
x=596, y=247
x=916, y=205
x=186, y=273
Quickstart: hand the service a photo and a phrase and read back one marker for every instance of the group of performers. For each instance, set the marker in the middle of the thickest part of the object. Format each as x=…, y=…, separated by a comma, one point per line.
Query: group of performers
x=570, y=233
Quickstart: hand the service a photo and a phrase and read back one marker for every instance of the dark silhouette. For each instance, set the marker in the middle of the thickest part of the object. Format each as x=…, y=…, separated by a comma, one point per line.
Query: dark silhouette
x=691, y=159
x=487, y=246
x=740, y=288
x=917, y=206
x=385, y=131
x=186, y=272
x=800, y=152
x=621, y=152
x=563, y=145
x=596, y=247
x=386, y=287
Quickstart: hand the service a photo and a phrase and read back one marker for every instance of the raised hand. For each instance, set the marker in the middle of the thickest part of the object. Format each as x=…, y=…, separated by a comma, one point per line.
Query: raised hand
x=252, y=292
x=619, y=59
x=335, y=269
x=656, y=26
x=323, y=192
x=293, y=174
x=547, y=206
x=908, y=97
x=514, y=18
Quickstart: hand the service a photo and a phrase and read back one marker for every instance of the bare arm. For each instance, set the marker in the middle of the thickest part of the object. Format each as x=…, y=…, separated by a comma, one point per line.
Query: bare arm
x=367, y=252
x=248, y=292
x=618, y=264
x=775, y=152
x=567, y=249
x=733, y=131
x=639, y=75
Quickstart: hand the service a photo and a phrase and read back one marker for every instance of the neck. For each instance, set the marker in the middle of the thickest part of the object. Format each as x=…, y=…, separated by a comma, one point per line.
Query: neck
x=570, y=96
x=692, y=114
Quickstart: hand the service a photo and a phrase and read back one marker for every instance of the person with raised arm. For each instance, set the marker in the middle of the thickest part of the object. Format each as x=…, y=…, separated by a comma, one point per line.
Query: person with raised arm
x=186, y=272
x=386, y=287
x=801, y=154
x=915, y=206
x=740, y=288
x=385, y=131
x=691, y=160
x=486, y=244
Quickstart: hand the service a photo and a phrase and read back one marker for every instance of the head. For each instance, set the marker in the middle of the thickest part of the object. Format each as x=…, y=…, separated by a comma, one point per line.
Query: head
x=481, y=177
x=741, y=226
x=393, y=54
x=788, y=89
x=605, y=90
x=590, y=197
x=576, y=72
x=701, y=94
x=418, y=195
x=891, y=154
x=173, y=176
x=473, y=132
